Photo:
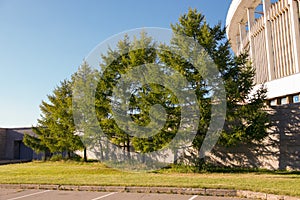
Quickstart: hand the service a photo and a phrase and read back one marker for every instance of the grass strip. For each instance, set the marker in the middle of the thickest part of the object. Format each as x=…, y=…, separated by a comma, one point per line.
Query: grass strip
x=94, y=173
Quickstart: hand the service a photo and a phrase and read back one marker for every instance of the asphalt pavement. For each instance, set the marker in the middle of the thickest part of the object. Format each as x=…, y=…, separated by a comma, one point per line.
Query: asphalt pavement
x=29, y=194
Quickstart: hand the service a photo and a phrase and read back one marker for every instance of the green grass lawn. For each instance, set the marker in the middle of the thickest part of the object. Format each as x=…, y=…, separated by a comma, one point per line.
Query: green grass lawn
x=93, y=173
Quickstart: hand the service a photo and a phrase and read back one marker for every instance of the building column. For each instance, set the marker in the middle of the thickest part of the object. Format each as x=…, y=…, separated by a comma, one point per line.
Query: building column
x=294, y=5
x=269, y=46
x=243, y=34
x=238, y=46
x=251, y=21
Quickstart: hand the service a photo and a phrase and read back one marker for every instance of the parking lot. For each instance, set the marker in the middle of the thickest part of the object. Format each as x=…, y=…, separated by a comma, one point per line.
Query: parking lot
x=14, y=194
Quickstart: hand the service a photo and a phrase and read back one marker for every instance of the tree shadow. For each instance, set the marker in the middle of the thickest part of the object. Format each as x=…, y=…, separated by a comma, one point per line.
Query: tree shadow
x=288, y=127
x=280, y=150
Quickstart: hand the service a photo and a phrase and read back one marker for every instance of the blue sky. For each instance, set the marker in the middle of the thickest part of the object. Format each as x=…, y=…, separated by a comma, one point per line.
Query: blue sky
x=44, y=42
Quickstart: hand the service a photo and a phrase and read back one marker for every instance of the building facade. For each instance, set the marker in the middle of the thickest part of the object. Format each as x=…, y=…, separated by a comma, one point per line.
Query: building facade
x=12, y=146
x=269, y=31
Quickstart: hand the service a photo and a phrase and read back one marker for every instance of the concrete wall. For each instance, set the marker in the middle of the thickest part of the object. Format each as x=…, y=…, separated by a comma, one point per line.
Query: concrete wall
x=281, y=150
x=15, y=149
x=287, y=125
x=12, y=147
x=2, y=143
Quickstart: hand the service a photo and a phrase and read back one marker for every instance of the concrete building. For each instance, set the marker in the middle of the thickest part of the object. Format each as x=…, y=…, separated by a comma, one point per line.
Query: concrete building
x=269, y=30
x=12, y=147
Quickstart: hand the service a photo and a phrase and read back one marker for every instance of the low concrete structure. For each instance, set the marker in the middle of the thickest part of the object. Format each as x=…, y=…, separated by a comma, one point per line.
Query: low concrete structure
x=12, y=146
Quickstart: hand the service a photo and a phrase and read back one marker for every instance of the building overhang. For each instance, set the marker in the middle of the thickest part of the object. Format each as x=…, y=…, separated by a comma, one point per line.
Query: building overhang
x=283, y=86
x=237, y=13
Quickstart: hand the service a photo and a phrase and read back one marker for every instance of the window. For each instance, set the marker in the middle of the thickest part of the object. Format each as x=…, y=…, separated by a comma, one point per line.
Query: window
x=273, y=102
x=284, y=100
x=296, y=99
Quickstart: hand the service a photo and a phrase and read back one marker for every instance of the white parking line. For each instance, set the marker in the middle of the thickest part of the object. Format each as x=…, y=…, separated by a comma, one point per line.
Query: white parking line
x=28, y=195
x=193, y=197
x=105, y=196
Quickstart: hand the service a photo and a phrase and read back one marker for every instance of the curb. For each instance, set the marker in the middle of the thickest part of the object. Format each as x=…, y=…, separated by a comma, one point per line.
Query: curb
x=163, y=190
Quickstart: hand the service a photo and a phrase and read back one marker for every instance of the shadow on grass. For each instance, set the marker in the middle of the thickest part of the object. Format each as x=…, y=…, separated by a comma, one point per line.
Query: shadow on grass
x=208, y=168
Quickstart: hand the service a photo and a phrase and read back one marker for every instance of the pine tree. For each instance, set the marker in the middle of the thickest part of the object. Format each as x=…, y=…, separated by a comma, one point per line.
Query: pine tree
x=37, y=144
x=84, y=83
x=245, y=119
x=55, y=129
x=128, y=56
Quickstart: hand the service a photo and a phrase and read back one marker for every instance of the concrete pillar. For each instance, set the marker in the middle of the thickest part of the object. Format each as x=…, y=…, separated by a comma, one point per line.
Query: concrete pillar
x=238, y=46
x=294, y=5
x=243, y=34
x=269, y=46
x=251, y=21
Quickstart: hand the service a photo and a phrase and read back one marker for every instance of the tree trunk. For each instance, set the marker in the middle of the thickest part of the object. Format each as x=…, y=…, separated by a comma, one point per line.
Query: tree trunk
x=175, y=157
x=128, y=147
x=200, y=162
x=101, y=150
x=84, y=155
x=69, y=155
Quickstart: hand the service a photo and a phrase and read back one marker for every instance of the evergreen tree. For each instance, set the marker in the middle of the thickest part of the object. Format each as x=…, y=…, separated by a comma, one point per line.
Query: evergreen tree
x=36, y=143
x=84, y=83
x=118, y=63
x=245, y=119
x=55, y=129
